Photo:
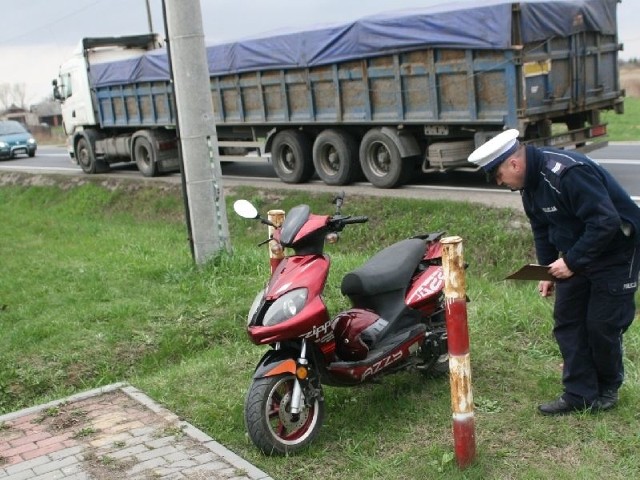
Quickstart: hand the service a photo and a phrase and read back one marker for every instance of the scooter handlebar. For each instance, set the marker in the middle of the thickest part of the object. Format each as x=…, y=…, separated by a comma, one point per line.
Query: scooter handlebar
x=338, y=222
x=360, y=219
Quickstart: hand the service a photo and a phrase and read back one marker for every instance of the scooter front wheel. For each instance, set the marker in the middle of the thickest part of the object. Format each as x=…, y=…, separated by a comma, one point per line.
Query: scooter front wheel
x=269, y=421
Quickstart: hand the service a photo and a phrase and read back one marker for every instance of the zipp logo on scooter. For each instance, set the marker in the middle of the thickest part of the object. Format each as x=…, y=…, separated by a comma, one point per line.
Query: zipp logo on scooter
x=396, y=322
x=321, y=333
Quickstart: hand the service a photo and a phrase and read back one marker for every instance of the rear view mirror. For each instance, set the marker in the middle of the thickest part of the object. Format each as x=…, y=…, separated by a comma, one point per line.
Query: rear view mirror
x=245, y=209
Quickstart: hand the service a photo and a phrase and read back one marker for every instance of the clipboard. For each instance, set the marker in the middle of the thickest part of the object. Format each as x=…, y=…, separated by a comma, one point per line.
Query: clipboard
x=532, y=271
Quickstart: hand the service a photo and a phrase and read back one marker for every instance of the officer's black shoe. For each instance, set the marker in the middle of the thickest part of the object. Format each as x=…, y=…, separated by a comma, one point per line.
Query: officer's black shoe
x=608, y=399
x=560, y=406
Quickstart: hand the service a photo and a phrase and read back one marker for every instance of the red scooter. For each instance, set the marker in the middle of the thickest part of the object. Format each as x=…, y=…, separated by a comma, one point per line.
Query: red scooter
x=396, y=322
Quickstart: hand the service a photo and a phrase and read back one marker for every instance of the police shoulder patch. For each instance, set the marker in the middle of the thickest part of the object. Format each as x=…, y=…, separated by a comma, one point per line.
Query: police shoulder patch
x=558, y=163
x=555, y=167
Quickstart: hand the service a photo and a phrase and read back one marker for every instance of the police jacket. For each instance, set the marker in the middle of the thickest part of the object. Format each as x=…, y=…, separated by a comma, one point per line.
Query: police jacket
x=576, y=208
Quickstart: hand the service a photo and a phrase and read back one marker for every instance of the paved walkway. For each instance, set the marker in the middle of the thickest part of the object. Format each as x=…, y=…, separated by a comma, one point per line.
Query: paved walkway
x=115, y=432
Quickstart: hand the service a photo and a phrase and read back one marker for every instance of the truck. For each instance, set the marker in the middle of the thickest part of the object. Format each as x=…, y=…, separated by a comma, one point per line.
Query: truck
x=387, y=97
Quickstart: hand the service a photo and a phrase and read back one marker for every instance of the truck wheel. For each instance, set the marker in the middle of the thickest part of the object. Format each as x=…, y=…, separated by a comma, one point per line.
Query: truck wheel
x=86, y=158
x=335, y=156
x=381, y=161
x=144, y=155
x=269, y=421
x=292, y=157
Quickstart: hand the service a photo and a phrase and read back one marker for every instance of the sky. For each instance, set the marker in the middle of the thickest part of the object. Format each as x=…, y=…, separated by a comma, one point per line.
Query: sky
x=38, y=35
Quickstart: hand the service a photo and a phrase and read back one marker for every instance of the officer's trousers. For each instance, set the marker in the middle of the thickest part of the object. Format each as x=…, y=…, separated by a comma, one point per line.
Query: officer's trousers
x=592, y=311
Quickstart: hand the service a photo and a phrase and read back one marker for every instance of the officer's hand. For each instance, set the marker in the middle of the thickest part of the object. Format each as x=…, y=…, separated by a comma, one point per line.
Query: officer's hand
x=559, y=269
x=545, y=287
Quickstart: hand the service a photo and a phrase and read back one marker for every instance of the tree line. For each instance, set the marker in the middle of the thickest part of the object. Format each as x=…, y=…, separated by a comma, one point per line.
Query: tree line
x=12, y=94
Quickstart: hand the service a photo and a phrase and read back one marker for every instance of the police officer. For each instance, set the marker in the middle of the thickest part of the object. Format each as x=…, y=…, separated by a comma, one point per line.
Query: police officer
x=586, y=228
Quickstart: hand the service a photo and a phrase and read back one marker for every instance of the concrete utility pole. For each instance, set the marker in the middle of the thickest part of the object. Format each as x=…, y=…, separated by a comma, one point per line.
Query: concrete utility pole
x=149, y=21
x=206, y=212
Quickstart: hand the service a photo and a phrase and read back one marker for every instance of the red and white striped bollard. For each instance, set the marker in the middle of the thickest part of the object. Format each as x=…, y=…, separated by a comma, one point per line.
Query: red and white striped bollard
x=458, y=345
x=276, y=253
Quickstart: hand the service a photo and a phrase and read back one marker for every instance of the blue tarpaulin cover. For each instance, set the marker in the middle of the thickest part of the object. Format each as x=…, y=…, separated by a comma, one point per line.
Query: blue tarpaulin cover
x=474, y=24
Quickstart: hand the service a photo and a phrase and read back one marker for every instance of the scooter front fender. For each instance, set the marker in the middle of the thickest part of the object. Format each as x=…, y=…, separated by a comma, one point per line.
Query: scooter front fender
x=276, y=362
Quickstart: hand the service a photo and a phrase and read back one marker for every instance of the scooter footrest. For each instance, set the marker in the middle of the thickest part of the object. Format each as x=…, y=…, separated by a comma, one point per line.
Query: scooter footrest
x=385, y=347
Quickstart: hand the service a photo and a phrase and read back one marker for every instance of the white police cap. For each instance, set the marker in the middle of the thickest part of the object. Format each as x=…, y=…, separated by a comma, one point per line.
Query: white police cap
x=491, y=154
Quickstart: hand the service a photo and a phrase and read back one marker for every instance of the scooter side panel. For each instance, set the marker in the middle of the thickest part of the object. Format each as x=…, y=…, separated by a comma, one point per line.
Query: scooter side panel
x=299, y=271
x=357, y=372
x=434, y=250
x=424, y=292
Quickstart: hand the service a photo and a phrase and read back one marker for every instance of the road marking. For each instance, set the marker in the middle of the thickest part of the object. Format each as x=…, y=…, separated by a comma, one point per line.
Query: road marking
x=616, y=161
x=466, y=189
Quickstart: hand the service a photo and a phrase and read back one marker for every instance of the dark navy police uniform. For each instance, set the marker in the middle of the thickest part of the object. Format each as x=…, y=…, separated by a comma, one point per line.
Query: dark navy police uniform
x=579, y=211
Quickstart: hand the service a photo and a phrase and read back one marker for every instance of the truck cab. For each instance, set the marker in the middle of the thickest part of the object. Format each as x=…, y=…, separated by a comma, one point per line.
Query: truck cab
x=89, y=143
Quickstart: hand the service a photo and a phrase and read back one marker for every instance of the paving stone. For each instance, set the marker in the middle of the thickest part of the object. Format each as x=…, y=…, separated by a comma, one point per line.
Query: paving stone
x=115, y=432
x=129, y=452
x=67, y=452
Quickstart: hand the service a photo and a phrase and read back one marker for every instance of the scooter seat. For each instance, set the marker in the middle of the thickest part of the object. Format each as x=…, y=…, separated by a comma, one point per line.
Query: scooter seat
x=390, y=269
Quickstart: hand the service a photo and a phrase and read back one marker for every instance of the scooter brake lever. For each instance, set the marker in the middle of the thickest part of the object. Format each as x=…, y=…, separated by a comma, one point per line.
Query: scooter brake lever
x=264, y=242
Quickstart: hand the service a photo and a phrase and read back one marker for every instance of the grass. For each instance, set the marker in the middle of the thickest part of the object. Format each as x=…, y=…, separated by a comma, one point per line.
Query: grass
x=625, y=127
x=94, y=291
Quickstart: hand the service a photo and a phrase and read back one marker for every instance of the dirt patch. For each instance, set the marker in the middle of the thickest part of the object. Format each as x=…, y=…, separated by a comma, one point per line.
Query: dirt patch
x=64, y=417
x=630, y=80
x=67, y=182
x=105, y=467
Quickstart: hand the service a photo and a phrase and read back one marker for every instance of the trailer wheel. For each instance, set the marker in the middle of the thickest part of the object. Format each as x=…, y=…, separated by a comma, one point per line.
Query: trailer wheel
x=381, y=161
x=144, y=155
x=87, y=159
x=292, y=157
x=335, y=157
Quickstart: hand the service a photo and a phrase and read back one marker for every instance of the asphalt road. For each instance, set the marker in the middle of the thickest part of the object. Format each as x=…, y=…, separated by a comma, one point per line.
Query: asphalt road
x=622, y=160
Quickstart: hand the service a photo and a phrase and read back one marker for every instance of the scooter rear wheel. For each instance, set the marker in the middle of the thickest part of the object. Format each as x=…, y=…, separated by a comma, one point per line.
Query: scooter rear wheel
x=269, y=421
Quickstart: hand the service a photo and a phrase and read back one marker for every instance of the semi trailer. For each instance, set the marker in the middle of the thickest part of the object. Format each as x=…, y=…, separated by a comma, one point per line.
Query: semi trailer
x=386, y=97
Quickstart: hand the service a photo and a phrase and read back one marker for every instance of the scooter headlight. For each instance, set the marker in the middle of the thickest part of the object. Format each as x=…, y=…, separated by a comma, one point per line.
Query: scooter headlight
x=285, y=307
